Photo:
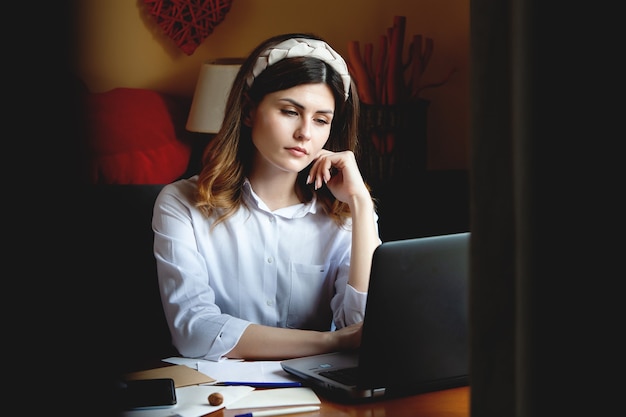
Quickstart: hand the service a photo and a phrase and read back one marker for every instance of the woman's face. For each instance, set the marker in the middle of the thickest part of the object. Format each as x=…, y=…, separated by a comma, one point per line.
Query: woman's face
x=289, y=127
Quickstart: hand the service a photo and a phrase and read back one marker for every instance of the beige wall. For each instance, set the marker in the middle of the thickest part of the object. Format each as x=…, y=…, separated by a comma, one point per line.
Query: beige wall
x=118, y=45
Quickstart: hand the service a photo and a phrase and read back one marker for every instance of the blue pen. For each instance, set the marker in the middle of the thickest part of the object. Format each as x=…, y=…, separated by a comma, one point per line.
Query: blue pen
x=280, y=411
x=261, y=384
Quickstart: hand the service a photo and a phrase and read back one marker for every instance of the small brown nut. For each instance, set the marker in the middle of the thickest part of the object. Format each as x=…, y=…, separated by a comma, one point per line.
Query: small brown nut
x=216, y=398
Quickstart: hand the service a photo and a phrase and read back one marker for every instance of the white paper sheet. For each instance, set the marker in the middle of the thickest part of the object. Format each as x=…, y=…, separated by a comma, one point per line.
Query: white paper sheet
x=247, y=371
x=176, y=360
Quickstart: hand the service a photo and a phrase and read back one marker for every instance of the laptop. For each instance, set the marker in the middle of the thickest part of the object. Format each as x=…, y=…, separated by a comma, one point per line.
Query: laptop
x=415, y=330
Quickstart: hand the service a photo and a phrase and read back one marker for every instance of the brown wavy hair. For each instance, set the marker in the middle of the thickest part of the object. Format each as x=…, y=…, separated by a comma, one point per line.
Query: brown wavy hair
x=227, y=159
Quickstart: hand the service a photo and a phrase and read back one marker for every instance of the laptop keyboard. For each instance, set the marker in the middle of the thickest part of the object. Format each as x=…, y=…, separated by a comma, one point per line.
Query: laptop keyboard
x=346, y=376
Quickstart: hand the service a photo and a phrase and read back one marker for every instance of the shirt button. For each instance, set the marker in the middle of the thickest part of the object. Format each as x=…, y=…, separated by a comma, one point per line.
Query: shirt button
x=270, y=303
x=271, y=220
x=270, y=260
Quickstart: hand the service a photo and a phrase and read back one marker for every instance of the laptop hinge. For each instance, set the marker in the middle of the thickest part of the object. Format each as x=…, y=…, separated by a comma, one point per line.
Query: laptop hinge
x=378, y=392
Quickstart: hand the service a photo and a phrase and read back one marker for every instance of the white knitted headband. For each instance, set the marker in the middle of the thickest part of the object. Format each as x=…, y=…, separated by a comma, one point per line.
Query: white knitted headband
x=297, y=47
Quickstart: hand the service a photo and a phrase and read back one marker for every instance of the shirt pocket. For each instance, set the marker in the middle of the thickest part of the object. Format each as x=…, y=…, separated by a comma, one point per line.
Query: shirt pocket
x=310, y=293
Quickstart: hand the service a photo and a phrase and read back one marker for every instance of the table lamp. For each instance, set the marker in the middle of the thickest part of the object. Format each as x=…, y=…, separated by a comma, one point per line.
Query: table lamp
x=212, y=89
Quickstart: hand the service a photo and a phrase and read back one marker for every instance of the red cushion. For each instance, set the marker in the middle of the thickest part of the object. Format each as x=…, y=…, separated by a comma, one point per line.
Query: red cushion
x=136, y=136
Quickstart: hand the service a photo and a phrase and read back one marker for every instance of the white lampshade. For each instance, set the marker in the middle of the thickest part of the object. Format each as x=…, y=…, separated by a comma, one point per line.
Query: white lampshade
x=212, y=89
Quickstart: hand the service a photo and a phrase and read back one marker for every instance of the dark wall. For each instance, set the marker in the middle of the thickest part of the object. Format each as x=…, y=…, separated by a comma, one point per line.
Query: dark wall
x=120, y=283
x=544, y=299
x=432, y=203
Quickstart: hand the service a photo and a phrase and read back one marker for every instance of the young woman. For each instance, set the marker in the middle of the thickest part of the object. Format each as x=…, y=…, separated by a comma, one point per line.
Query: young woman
x=271, y=244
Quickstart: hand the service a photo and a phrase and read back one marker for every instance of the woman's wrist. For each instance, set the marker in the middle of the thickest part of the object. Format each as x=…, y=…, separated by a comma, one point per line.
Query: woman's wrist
x=361, y=202
x=329, y=341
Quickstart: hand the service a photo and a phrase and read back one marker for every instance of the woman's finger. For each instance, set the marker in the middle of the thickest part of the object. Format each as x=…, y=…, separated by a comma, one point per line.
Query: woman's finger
x=320, y=170
x=328, y=164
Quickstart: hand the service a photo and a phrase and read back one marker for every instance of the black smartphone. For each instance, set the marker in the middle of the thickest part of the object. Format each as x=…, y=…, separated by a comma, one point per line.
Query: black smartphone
x=147, y=393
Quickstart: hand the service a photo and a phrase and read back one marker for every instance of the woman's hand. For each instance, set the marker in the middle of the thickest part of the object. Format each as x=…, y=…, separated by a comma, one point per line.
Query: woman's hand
x=340, y=172
x=349, y=337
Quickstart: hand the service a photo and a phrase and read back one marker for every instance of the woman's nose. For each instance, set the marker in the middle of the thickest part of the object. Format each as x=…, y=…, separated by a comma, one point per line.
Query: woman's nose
x=303, y=132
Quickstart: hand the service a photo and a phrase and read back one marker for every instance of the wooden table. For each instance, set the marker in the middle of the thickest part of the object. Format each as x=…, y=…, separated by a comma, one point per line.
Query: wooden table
x=446, y=403
x=453, y=402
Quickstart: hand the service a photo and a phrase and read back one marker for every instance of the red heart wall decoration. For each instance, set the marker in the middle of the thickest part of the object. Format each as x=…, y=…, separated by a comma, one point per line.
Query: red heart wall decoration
x=188, y=22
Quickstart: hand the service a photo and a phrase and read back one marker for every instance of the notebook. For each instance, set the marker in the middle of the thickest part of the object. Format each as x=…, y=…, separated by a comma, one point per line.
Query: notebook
x=415, y=330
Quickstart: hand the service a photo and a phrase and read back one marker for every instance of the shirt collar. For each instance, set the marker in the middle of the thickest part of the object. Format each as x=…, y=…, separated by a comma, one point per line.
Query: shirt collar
x=291, y=212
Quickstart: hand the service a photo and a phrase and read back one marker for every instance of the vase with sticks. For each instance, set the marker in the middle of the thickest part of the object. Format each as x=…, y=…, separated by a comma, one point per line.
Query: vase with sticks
x=393, y=113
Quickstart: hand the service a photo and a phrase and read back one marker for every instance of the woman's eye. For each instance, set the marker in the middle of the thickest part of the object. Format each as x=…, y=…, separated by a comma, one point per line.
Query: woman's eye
x=322, y=121
x=290, y=112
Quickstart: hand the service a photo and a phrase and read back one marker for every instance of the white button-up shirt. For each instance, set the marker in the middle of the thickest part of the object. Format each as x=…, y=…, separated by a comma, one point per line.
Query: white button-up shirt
x=282, y=268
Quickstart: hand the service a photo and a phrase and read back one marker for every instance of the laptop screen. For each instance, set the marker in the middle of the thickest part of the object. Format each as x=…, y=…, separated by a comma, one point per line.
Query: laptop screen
x=416, y=321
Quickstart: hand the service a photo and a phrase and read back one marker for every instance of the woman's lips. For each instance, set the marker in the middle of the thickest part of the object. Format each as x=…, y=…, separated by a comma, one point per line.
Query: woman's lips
x=297, y=151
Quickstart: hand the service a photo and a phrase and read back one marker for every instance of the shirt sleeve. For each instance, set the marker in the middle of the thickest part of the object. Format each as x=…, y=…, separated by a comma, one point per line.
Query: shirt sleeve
x=353, y=308
x=196, y=323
